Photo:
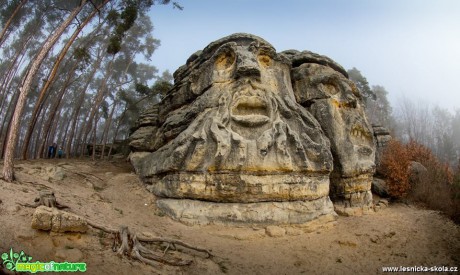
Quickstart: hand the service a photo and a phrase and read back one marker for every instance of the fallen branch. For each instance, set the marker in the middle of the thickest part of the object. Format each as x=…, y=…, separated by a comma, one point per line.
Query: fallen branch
x=102, y=227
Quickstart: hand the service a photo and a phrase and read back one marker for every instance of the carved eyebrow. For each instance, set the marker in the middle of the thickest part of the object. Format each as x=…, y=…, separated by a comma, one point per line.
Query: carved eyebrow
x=226, y=47
x=258, y=47
x=268, y=51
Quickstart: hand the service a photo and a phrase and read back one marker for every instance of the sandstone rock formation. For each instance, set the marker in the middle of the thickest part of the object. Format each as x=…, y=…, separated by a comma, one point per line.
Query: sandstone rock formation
x=233, y=142
x=381, y=137
x=323, y=88
x=46, y=218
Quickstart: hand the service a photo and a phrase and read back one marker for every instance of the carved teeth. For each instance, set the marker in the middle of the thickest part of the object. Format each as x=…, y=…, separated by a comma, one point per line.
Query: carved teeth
x=359, y=133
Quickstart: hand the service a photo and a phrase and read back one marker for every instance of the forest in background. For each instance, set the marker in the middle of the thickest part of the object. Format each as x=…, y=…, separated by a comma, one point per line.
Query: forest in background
x=422, y=161
x=74, y=73
x=410, y=119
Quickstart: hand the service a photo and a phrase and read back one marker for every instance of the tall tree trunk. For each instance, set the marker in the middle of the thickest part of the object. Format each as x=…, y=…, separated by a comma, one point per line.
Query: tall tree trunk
x=9, y=78
x=53, y=112
x=101, y=93
x=51, y=78
x=14, y=100
x=79, y=142
x=63, y=134
x=38, y=135
x=75, y=115
x=120, y=121
x=8, y=23
x=96, y=120
x=106, y=129
x=80, y=102
x=8, y=166
x=52, y=133
x=12, y=70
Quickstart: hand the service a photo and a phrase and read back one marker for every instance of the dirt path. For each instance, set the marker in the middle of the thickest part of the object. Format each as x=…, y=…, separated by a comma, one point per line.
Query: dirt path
x=109, y=193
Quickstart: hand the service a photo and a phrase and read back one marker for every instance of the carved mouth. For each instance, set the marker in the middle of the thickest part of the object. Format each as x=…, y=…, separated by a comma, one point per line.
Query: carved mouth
x=358, y=131
x=250, y=111
x=362, y=138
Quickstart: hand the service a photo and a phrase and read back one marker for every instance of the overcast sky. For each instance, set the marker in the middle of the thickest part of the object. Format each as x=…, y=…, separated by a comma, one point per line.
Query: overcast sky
x=411, y=47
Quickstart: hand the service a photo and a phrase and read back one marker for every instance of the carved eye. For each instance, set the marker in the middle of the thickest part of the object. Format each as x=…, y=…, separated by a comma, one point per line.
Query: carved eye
x=329, y=89
x=225, y=60
x=265, y=60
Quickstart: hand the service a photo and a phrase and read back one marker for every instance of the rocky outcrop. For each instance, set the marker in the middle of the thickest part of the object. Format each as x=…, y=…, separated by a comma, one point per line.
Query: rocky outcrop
x=144, y=131
x=46, y=218
x=264, y=213
x=323, y=88
x=416, y=172
x=248, y=131
x=380, y=187
x=381, y=137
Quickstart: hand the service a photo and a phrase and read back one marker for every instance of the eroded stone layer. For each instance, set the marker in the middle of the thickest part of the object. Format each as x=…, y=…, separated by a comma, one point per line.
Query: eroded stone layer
x=240, y=187
x=352, y=196
x=264, y=213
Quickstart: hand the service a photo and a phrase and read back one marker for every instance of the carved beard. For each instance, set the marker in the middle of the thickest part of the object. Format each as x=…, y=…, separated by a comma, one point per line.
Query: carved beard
x=284, y=138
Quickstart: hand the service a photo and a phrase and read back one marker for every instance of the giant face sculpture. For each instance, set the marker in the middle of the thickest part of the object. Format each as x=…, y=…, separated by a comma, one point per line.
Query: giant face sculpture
x=231, y=141
x=241, y=137
x=323, y=87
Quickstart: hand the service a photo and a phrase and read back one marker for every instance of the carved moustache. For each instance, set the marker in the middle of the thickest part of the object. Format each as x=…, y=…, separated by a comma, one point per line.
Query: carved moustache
x=250, y=106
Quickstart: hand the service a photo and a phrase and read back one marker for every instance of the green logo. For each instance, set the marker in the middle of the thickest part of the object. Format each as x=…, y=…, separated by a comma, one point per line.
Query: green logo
x=11, y=259
x=20, y=262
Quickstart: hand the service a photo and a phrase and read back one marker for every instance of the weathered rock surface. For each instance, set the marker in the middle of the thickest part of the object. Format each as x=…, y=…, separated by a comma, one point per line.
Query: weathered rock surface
x=46, y=218
x=380, y=188
x=201, y=212
x=381, y=137
x=145, y=130
x=416, y=171
x=46, y=172
x=322, y=87
x=245, y=127
x=275, y=231
x=242, y=187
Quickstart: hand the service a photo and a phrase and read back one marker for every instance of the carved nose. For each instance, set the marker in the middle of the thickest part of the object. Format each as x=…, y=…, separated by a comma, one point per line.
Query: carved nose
x=247, y=68
x=351, y=100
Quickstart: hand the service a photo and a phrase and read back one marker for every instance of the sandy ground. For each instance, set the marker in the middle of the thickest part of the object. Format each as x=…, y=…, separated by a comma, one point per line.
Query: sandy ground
x=110, y=193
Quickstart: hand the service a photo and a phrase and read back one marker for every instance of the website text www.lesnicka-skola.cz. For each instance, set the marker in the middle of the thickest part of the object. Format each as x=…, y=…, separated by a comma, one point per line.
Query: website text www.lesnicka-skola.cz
x=420, y=269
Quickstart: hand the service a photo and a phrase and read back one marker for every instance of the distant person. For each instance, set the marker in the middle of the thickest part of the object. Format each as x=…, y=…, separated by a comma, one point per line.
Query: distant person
x=51, y=151
x=54, y=149
x=60, y=152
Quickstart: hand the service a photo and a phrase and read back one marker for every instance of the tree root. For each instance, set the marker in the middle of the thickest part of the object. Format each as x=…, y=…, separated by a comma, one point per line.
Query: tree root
x=46, y=198
x=87, y=175
x=129, y=244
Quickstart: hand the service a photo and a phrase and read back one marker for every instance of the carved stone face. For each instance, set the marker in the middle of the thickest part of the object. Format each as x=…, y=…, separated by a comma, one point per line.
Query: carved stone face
x=250, y=75
x=336, y=103
x=249, y=135
x=239, y=136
